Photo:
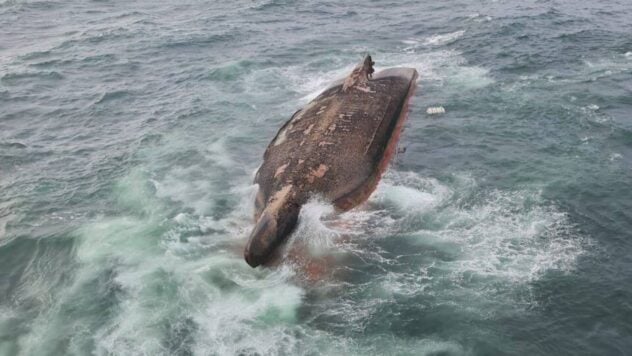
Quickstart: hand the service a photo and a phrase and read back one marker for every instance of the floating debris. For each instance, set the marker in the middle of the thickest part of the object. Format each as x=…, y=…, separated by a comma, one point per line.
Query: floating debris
x=433, y=110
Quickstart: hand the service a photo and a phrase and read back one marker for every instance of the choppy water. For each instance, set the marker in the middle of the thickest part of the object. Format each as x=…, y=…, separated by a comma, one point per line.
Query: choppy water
x=130, y=131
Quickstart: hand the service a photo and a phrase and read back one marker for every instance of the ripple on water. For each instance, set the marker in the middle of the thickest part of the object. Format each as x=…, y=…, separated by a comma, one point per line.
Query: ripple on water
x=15, y=78
x=113, y=95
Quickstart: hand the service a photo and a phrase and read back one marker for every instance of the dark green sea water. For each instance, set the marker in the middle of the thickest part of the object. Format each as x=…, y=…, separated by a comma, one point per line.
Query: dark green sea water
x=130, y=132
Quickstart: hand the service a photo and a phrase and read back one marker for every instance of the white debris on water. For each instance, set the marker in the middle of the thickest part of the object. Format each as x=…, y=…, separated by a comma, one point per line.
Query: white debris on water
x=434, y=110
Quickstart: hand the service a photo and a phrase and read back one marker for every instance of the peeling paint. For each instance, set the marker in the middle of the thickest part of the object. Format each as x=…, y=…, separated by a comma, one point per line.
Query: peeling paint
x=317, y=173
x=280, y=170
x=277, y=200
x=320, y=172
x=365, y=89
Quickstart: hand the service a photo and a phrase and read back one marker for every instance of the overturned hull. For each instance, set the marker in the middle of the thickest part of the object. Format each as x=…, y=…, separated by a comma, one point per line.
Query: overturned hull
x=336, y=147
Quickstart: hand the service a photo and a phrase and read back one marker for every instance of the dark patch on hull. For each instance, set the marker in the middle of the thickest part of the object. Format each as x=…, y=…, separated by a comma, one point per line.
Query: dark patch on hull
x=337, y=147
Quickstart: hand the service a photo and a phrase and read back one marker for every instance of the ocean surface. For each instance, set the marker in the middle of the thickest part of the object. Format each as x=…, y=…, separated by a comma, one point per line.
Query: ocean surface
x=130, y=132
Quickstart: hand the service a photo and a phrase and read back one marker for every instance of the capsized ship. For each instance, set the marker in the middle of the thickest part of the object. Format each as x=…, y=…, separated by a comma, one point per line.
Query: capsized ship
x=337, y=147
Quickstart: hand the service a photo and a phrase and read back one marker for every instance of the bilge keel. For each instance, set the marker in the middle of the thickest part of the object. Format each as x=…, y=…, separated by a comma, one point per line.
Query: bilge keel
x=337, y=147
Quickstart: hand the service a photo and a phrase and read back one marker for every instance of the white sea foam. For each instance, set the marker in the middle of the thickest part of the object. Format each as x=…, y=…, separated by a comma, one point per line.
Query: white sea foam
x=312, y=230
x=409, y=192
x=592, y=113
x=314, y=83
x=477, y=17
x=410, y=42
x=434, y=40
x=224, y=321
x=177, y=187
x=161, y=281
x=445, y=38
x=596, y=69
x=445, y=68
x=615, y=156
x=505, y=240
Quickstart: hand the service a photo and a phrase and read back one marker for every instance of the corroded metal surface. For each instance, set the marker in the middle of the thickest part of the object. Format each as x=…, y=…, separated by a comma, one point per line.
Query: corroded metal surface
x=337, y=147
